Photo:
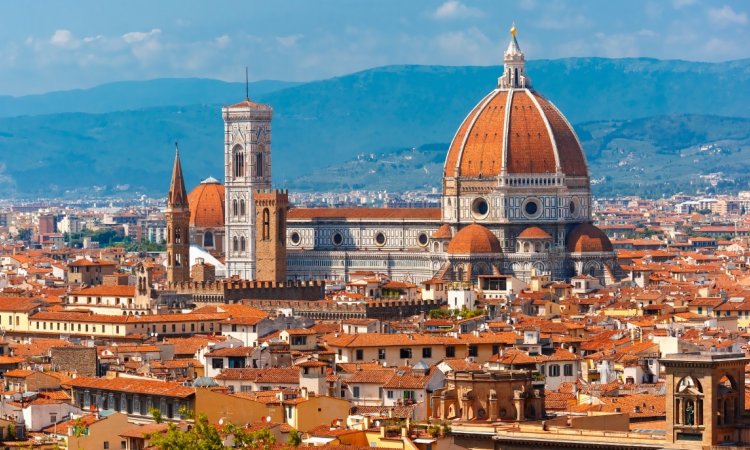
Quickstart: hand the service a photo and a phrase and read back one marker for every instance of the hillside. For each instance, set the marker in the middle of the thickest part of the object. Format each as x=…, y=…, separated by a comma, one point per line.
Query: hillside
x=651, y=156
x=329, y=122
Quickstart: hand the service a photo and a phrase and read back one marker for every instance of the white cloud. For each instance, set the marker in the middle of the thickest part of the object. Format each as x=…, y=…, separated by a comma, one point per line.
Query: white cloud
x=223, y=41
x=289, y=41
x=63, y=38
x=726, y=15
x=139, y=36
x=453, y=9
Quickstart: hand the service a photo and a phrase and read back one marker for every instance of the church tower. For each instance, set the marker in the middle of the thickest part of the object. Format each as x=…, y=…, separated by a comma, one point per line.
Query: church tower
x=705, y=396
x=178, y=227
x=247, y=168
x=270, y=237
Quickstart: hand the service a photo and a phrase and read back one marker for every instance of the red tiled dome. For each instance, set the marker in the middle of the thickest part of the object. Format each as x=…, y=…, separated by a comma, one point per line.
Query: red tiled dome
x=474, y=239
x=444, y=232
x=538, y=139
x=207, y=204
x=534, y=233
x=587, y=238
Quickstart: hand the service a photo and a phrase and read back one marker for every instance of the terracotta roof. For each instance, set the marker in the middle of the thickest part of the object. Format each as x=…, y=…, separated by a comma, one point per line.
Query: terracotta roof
x=138, y=386
x=537, y=133
x=365, y=213
x=444, y=232
x=534, y=233
x=231, y=351
x=207, y=205
x=279, y=375
x=474, y=239
x=587, y=238
x=86, y=262
x=249, y=104
x=19, y=303
x=371, y=376
x=106, y=291
x=389, y=340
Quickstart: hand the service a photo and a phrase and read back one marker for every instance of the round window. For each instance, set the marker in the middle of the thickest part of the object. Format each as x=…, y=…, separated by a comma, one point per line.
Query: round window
x=480, y=208
x=380, y=239
x=572, y=207
x=422, y=239
x=295, y=238
x=531, y=208
x=337, y=238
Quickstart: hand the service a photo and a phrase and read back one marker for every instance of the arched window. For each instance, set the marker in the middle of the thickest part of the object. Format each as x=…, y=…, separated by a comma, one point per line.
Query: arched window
x=266, y=224
x=169, y=235
x=259, y=164
x=242, y=207
x=234, y=208
x=235, y=245
x=242, y=243
x=208, y=239
x=515, y=78
x=177, y=236
x=238, y=161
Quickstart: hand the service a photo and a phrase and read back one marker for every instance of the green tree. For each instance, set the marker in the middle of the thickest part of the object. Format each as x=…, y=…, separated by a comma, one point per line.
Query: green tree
x=295, y=438
x=202, y=436
x=156, y=414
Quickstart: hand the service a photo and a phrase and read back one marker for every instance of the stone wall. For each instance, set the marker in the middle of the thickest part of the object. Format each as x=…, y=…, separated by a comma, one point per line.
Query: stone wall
x=82, y=360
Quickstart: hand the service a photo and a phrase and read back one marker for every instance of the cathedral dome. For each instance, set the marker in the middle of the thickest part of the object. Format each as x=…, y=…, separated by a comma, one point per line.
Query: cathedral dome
x=534, y=233
x=474, y=239
x=586, y=238
x=514, y=130
x=207, y=204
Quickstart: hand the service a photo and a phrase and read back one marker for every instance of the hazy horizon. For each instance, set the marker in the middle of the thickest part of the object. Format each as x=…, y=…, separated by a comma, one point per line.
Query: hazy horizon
x=87, y=43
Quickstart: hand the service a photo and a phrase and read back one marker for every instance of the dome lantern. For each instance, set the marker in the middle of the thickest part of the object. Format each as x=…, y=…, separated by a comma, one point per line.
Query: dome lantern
x=514, y=72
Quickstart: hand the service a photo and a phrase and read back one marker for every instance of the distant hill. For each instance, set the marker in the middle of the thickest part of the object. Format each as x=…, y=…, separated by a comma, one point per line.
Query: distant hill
x=650, y=156
x=128, y=95
x=328, y=123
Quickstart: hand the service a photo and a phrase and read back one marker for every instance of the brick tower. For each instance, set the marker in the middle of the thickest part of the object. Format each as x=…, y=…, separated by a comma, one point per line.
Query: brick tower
x=705, y=400
x=178, y=227
x=270, y=235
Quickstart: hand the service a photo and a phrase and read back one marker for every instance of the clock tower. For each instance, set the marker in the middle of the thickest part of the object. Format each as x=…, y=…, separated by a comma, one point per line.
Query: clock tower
x=247, y=169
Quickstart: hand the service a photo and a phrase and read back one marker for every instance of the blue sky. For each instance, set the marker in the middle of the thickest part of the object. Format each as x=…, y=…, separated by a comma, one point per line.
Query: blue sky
x=53, y=45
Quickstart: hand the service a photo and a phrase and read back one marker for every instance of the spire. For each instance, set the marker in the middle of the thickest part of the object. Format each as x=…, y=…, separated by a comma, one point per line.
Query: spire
x=177, y=197
x=514, y=72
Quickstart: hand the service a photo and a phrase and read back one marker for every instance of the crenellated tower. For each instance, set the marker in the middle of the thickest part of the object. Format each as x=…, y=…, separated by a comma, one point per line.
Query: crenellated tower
x=270, y=238
x=178, y=227
x=247, y=168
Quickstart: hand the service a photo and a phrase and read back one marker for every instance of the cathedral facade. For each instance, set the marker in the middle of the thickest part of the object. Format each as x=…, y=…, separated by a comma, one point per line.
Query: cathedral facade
x=516, y=200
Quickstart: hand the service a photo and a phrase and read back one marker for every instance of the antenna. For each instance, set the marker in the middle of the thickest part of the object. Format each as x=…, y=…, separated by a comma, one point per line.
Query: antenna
x=247, y=86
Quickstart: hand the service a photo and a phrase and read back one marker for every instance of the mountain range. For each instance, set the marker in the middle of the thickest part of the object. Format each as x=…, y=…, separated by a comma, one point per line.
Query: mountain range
x=637, y=119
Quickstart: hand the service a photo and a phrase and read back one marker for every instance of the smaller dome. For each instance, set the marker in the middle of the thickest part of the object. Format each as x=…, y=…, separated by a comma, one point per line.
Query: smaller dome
x=586, y=238
x=207, y=204
x=474, y=239
x=444, y=232
x=534, y=233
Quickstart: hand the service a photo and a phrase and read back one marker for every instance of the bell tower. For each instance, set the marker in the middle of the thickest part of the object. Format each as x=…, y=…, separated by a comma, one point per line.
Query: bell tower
x=270, y=237
x=705, y=399
x=178, y=227
x=247, y=168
